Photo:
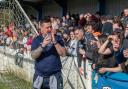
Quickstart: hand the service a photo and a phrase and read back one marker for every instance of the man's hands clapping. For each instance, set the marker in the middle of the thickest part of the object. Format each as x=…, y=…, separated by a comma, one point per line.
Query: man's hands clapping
x=47, y=40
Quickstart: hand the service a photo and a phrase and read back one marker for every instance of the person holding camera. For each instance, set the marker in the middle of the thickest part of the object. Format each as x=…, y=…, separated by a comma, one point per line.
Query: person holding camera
x=46, y=51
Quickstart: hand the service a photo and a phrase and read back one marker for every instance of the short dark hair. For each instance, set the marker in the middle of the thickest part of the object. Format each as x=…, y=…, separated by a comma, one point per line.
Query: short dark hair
x=94, y=25
x=46, y=20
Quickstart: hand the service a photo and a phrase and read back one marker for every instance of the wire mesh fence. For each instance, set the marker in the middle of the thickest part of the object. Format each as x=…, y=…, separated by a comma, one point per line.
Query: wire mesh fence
x=16, y=28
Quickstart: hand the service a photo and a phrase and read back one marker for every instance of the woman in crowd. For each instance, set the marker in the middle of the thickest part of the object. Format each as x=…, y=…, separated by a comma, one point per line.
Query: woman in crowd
x=116, y=50
x=72, y=46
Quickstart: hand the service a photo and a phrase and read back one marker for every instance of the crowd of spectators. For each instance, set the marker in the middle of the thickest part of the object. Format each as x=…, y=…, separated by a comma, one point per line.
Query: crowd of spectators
x=101, y=39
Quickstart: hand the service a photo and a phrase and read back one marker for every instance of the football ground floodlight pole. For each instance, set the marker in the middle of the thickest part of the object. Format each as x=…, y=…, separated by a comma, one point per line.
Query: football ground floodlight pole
x=27, y=17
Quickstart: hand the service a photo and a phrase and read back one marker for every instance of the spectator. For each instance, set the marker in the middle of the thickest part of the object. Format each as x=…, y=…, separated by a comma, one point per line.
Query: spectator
x=100, y=60
x=117, y=52
x=66, y=37
x=82, y=21
x=107, y=28
x=81, y=47
x=72, y=46
x=125, y=40
x=46, y=51
x=89, y=37
x=125, y=46
x=124, y=20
